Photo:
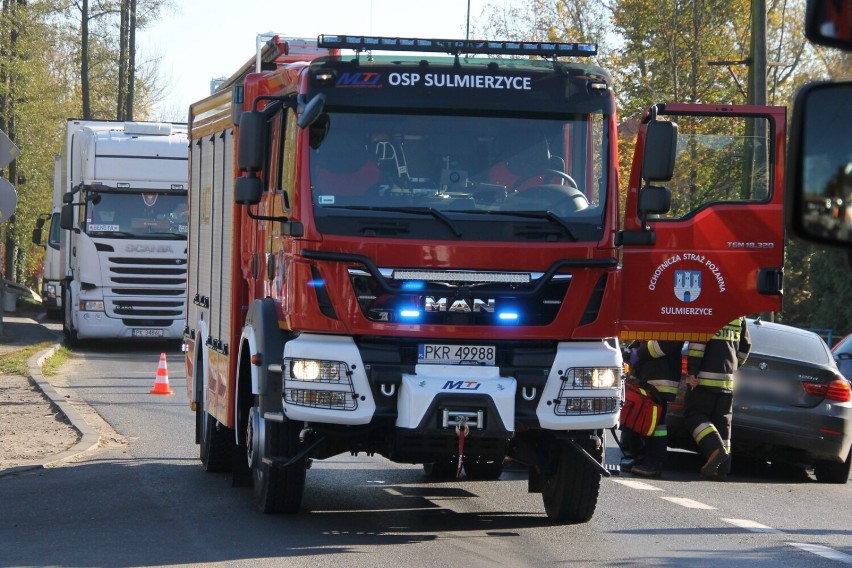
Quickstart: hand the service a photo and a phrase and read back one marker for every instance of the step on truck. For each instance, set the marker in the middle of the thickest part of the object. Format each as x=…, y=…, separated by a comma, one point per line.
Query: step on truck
x=424, y=256
x=123, y=211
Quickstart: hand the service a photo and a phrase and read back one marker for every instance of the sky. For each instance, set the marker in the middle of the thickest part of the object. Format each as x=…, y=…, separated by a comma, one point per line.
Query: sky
x=205, y=39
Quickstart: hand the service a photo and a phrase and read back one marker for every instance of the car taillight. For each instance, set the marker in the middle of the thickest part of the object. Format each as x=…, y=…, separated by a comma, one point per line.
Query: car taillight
x=838, y=390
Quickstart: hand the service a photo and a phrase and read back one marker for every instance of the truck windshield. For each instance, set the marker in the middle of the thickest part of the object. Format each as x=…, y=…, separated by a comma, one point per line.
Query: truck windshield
x=137, y=215
x=470, y=169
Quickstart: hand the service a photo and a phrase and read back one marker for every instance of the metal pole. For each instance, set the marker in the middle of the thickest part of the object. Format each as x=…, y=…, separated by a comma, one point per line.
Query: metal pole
x=467, y=33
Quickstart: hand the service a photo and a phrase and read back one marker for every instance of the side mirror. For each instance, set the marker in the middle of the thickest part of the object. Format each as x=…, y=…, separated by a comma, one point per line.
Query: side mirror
x=654, y=200
x=66, y=218
x=659, y=156
x=829, y=23
x=37, y=235
x=248, y=190
x=311, y=111
x=252, y=134
x=819, y=176
x=68, y=197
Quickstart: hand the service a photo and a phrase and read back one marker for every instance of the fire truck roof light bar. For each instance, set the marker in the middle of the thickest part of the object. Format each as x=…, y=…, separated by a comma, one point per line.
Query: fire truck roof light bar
x=458, y=46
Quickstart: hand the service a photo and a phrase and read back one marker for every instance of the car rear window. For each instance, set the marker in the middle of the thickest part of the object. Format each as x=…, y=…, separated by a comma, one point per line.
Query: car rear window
x=789, y=344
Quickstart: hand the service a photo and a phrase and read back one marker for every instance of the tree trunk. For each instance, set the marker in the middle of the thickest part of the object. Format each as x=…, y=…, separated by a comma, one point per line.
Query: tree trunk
x=131, y=61
x=122, y=62
x=84, y=59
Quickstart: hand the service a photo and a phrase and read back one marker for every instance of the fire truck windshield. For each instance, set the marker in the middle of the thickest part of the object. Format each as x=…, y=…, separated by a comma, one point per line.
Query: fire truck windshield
x=136, y=215
x=470, y=169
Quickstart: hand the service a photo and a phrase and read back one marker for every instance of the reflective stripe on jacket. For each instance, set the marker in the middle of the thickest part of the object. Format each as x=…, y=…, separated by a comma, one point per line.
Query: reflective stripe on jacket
x=660, y=365
x=715, y=362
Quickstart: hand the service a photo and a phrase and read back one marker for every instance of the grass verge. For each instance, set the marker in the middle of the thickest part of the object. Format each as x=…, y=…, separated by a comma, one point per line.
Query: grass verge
x=15, y=362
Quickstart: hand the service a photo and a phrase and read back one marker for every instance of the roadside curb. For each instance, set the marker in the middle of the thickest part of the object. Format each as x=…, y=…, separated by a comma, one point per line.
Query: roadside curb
x=89, y=438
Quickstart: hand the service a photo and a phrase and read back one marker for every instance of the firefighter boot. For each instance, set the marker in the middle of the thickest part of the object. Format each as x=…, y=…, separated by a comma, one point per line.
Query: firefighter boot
x=655, y=455
x=711, y=445
x=718, y=461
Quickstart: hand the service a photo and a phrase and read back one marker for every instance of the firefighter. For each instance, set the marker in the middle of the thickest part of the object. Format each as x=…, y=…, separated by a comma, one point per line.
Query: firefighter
x=656, y=365
x=709, y=403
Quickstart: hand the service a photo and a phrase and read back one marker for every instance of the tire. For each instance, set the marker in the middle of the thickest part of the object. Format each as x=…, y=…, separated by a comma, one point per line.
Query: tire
x=70, y=333
x=441, y=469
x=276, y=490
x=570, y=493
x=215, y=441
x=833, y=472
x=484, y=470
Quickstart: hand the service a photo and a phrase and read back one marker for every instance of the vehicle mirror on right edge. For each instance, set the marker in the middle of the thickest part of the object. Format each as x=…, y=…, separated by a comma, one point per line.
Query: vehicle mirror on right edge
x=819, y=178
x=819, y=181
x=829, y=23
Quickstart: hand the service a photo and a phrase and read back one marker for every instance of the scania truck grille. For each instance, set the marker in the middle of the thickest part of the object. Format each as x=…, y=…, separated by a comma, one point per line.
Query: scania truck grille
x=145, y=292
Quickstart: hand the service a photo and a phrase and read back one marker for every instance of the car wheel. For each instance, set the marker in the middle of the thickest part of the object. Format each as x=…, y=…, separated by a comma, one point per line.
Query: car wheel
x=67, y=328
x=833, y=472
x=276, y=489
x=570, y=490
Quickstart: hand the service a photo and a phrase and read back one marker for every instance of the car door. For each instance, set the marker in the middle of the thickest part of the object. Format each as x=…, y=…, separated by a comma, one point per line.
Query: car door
x=716, y=251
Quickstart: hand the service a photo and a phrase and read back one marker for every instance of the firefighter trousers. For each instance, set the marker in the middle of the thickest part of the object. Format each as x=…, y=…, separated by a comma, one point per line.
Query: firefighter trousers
x=707, y=414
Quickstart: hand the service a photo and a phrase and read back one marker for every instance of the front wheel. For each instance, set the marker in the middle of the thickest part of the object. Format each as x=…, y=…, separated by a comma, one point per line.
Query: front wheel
x=833, y=472
x=67, y=326
x=276, y=489
x=570, y=490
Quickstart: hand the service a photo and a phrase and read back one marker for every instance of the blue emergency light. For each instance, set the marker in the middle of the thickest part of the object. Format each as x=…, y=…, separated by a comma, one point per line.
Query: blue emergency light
x=458, y=46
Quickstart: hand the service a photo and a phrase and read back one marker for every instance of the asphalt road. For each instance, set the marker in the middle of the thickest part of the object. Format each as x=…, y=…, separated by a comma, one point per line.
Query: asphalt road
x=143, y=500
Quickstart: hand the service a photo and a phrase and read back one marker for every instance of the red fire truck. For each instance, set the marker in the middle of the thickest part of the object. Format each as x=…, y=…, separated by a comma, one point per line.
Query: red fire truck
x=423, y=256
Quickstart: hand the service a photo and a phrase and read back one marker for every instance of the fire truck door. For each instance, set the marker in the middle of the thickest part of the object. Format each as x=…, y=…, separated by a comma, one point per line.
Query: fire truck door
x=717, y=252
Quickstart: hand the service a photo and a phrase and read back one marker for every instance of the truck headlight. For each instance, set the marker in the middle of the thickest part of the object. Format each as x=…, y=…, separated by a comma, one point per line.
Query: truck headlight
x=318, y=383
x=92, y=305
x=593, y=377
x=315, y=370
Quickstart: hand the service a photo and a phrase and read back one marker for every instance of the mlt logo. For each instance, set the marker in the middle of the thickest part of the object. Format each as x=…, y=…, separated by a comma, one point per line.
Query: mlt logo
x=461, y=385
x=360, y=80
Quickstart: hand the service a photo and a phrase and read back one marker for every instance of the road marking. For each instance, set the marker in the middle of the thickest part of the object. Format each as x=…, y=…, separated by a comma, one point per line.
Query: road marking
x=688, y=503
x=823, y=551
x=637, y=484
x=752, y=526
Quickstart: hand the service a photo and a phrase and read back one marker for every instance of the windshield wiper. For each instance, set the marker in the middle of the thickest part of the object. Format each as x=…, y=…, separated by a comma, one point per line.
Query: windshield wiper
x=437, y=214
x=549, y=215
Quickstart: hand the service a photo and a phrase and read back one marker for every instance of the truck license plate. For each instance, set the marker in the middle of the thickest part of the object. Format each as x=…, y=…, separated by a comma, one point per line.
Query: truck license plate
x=455, y=354
x=147, y=333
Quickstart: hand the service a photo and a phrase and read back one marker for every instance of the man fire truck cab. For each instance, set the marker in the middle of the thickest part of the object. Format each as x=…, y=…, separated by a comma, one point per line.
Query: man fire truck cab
x=423, y=257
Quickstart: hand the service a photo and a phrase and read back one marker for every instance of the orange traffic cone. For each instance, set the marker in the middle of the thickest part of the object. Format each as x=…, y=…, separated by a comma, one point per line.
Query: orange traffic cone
x=161, y=384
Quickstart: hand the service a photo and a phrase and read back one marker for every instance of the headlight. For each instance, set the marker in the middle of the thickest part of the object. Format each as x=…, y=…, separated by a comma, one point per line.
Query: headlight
x=92, y=305
x=313, y=370
x=594, y=378
x=305, y=370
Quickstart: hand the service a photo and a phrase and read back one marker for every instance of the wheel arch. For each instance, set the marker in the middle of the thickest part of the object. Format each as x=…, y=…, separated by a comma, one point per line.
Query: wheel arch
x=261, y=336
x=201, y=361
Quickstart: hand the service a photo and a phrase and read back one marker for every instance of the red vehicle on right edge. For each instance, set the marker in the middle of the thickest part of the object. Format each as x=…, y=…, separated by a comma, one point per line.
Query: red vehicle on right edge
x=424, y=257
